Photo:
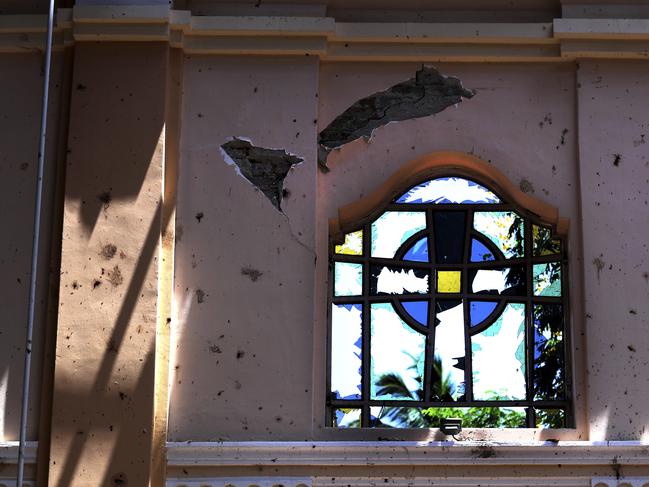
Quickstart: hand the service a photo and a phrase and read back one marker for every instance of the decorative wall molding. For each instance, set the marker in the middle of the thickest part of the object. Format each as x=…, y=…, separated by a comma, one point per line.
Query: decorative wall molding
x=620, y=482
x=565, y=39
x=241, y=482
x=391, y=453
x=9, y=461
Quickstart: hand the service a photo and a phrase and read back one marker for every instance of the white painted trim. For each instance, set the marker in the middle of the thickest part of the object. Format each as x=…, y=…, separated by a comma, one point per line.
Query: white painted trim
x=387, y=453
x=9, y=452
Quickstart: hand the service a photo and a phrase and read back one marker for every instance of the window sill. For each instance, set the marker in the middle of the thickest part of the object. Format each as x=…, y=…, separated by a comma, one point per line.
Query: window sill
x=389, y=453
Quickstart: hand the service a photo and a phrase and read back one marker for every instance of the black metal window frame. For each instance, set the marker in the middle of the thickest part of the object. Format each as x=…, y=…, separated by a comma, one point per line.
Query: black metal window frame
x=464, y=296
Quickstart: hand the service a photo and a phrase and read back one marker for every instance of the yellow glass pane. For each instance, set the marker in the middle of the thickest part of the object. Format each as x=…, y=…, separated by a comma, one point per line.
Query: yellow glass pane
x=449, y=281
x=353, y=244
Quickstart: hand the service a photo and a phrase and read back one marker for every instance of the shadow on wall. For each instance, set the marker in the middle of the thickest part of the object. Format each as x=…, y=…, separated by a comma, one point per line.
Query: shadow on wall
x=119, y=119
x=103, y=403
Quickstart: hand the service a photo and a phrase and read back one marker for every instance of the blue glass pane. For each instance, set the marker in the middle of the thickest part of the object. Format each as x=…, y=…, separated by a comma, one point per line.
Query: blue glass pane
x=480, y=252
x=448, y=190
x=480, y=310
x=418, y=252
x=418, y=310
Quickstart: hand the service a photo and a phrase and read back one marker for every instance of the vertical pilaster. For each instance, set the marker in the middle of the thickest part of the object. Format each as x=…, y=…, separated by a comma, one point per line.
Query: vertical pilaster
x=103, y=400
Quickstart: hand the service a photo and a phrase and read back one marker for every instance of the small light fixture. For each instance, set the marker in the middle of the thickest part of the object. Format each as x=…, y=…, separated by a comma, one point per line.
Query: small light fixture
x=451, y=426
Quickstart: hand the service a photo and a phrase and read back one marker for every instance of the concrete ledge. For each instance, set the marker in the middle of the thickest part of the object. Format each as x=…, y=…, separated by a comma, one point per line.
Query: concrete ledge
x=391, y=453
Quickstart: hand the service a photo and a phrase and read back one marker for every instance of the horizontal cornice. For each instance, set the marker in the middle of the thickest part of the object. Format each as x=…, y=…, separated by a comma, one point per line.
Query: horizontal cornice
x=564, y=39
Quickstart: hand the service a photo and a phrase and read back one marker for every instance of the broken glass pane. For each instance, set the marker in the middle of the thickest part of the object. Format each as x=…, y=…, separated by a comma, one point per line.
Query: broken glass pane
x=480, y=311
x=498, y=355
x=448, y=190
x=392, y=229
x=396, y=417
x=347, y=418
x=346, y=351
x=449, y=355
x=418, y=310
x=353, y=244
x=508, y=281
x=550, y=418
x=547, y=279
x=544, y=244
x=549, y=362
x=482, y=417
x=397, y=356
x=449, y=281
x=450, y=234
x=418, y=252
x=348, y=279
x=395, y=280
x=504, y=228
x=480, y=252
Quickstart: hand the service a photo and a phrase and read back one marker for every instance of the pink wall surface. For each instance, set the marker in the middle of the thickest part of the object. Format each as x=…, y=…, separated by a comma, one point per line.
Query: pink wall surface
x=614, y=121
x=248, y=361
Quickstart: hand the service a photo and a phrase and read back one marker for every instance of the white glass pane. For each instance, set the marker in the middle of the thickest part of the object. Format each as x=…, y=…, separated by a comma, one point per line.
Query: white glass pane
x=348, y=279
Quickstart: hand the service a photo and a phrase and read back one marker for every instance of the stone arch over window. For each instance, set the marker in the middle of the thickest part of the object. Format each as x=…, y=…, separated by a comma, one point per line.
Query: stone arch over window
x=448, y=298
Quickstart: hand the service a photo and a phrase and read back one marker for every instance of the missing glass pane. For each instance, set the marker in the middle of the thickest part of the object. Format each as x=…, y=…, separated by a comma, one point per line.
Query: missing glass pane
x=346, y=351
x=547, y=279
x=392, y=229
x=506, y=229
x=544, y=244
x=449, y=190
x=395, y=280
x=397, y=356
x=353, y=244
x=498, y=356
x=549, y=362
x=449, y=355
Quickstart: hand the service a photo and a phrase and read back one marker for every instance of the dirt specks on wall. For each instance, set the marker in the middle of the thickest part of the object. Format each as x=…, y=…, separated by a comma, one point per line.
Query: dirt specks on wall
x=265, y=168
x=427, y=93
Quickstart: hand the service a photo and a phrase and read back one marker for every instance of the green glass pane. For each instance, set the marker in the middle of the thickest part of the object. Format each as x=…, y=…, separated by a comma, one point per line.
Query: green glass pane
x=546, y=279
x=550, y=418
x=544, y=244
x=348, y=279
x=346, y=418
x=503, y=228
x=482, y=417
x=396, y=356
x=549, y=362
x=346, y=350
x=448, y=366
x=392, y=229
x=498, y=355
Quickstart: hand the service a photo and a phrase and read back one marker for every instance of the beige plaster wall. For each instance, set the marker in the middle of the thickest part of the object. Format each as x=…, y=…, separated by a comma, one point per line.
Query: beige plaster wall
x=104, y=373
x=21, y=87
x=248, y=361
x=242, y=345
x=614, y=121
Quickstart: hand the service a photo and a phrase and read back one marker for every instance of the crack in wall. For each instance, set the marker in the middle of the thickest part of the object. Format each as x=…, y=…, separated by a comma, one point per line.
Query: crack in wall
x=428, y=93
x=264, y=168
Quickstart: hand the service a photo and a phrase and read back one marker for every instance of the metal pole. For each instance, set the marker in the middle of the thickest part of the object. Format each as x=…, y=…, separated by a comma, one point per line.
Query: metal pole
x=35, y=249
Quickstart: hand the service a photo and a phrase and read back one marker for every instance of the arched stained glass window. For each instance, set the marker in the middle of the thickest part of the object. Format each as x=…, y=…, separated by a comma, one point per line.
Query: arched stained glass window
x=449, y=301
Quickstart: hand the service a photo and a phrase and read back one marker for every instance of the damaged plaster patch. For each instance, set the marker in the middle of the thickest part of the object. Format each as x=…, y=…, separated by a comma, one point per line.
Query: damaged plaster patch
x=265, y=168
x=429, y=92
